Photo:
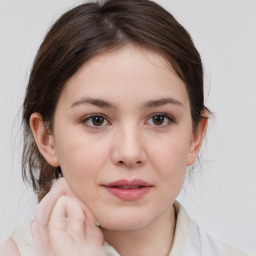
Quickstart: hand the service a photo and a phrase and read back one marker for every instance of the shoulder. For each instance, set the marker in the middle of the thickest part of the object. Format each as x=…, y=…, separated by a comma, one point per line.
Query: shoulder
x=194, y=240
x=20, y=242
x=218, y=247
x=231, y=251
x=9, y=248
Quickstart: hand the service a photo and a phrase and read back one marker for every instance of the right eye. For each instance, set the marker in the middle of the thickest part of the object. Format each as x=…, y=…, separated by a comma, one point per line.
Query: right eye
x=95, y=121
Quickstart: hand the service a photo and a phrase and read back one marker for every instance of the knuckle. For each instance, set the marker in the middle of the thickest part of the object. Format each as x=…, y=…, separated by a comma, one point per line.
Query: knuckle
x=33, y=227
x=60, y=185
x=37, y=231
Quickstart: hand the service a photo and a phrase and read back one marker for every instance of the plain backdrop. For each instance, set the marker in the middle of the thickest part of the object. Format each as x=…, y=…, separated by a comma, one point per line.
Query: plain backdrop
x=222, y=195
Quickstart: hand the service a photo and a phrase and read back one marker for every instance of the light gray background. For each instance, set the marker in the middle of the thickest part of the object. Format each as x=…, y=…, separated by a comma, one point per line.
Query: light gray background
x=222, y=197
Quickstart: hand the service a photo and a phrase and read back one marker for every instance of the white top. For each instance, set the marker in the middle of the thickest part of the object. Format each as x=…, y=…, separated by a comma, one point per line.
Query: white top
x=189, y=240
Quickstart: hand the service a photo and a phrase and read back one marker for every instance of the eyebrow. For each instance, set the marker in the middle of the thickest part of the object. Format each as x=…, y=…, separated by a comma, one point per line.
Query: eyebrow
x=162, y=102
x=97, y=102
x=104, y=104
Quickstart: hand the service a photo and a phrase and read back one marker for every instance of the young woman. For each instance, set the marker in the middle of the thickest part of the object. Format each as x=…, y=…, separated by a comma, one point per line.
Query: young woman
x=113, y=115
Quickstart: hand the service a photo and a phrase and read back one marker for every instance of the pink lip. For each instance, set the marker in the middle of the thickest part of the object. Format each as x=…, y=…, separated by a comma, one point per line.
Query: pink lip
x=128, y=190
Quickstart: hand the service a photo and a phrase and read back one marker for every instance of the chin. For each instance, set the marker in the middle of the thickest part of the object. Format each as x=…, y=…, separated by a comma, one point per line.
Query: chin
x=126, y=219
x=122, y=225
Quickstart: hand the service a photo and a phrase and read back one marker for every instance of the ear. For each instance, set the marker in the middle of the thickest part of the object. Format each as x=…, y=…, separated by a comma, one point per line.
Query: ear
x=44, y=139
x=197, y=139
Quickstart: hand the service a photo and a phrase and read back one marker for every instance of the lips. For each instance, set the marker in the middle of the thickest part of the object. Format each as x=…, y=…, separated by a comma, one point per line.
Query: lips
x=128, y=190
x=128, y=187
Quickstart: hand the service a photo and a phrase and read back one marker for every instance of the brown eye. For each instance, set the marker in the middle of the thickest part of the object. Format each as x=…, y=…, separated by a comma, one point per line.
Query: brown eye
x=161, y=120
x=158, y=120
x=98, y=120
x=95, y=121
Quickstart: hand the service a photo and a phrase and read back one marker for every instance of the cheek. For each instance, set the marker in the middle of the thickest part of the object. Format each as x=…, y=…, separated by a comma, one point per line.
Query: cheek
x=78, y=151
x=169, y=159
x=170, y=152
x=81, y=160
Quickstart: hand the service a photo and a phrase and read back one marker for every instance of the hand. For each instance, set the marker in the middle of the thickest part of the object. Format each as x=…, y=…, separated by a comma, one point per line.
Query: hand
x=64, y=226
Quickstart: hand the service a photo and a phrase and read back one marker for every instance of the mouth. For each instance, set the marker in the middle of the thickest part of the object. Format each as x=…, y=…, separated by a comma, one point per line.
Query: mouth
x=128, y=187
x=128, y=190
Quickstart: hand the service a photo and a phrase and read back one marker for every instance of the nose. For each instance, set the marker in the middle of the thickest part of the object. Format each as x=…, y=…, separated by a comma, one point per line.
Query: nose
x=128, y=150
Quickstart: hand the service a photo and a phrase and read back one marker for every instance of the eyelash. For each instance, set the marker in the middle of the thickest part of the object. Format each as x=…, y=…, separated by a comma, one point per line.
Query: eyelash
x=167, y=118
x=87, y=119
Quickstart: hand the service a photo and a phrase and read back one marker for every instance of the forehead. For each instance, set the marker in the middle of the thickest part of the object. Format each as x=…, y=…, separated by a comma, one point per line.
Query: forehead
x=128, y=71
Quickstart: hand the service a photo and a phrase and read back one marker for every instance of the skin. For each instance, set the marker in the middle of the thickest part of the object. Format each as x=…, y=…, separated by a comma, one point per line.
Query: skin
x=135, y=86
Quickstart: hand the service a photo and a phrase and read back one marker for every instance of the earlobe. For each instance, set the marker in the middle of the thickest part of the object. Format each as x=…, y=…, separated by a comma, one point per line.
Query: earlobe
x=44, y=139
x=197, y=140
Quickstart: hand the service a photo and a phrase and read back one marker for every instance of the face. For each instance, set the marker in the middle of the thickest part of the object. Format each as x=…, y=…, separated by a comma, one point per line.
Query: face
x=123, y=136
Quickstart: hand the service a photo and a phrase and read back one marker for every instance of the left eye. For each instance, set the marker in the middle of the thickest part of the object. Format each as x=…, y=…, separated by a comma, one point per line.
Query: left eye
x=95, y=121
x=160, y=120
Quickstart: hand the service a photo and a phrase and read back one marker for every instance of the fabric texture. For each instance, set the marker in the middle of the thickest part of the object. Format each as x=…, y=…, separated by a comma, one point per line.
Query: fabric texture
x=189, y=240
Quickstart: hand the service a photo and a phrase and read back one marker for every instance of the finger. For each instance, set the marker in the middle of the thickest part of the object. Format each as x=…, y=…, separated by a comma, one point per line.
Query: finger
x=39, y=226
x=87, y=211
x=46, y=205
x=40, y=239
x=89, y=216
x=76, y=218
x=62, y=184
x=67, y=216
x=93, y=234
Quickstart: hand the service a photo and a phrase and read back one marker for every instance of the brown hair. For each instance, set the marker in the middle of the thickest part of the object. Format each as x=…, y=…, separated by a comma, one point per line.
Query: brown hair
x=90, y=29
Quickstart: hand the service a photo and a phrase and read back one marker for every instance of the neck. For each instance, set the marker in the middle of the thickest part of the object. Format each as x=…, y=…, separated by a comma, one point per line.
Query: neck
x=153, y=239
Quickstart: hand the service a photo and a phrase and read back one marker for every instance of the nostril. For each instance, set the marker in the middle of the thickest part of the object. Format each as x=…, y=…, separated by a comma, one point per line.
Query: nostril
x=121, y=162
